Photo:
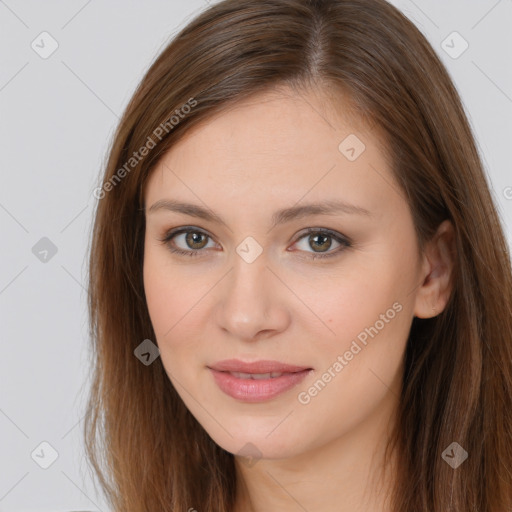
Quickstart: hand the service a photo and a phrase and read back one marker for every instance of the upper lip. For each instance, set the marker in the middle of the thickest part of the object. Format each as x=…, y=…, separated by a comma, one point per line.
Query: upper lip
x=262, y=366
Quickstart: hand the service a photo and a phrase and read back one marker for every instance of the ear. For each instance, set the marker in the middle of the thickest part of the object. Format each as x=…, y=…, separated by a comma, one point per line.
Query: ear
x=437, y=270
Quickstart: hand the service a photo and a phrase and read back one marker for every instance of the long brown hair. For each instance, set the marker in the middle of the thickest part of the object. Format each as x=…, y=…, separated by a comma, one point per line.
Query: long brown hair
x=148, y=451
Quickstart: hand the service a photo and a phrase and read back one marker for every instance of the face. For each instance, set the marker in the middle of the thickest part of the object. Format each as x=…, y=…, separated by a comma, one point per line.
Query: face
x=327, y=291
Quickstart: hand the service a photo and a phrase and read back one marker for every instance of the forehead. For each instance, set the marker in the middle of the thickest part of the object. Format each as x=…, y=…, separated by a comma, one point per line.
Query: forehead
x=280, y=122
x=275, y=147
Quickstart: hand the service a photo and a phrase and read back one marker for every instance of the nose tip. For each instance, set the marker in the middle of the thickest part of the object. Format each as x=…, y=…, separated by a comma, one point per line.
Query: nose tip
x=249, y=307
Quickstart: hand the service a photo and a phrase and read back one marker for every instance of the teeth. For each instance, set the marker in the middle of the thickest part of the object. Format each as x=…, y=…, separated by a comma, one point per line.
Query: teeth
x=241, y=375
x=256, y=376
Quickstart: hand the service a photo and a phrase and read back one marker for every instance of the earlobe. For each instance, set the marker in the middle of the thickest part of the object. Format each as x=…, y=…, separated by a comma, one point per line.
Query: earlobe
x=437, y=271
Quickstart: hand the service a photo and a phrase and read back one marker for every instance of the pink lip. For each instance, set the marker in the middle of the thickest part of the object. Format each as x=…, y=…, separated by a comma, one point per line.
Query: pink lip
x=251, y=390
x=263, y=366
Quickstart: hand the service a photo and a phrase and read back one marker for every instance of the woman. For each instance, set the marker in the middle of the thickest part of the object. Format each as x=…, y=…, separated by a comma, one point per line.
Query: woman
x=295, y=218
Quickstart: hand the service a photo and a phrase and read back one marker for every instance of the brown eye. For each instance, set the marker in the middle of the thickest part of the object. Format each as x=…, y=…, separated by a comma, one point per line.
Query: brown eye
x=195, y=239
x=186, y=242
x=320, y=241
x=191, y=242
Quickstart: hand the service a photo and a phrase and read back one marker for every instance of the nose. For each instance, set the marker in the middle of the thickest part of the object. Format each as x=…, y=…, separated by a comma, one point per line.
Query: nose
x=252, y=301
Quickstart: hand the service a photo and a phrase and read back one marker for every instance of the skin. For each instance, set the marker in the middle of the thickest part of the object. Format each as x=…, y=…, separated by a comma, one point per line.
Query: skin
x=274, y=151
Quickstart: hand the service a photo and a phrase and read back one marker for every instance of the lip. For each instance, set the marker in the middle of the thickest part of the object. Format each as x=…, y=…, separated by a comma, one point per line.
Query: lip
x=251, y=390
x=262, y=366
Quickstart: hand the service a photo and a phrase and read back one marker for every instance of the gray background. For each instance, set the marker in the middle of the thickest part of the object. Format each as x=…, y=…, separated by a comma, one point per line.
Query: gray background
x=57, y=119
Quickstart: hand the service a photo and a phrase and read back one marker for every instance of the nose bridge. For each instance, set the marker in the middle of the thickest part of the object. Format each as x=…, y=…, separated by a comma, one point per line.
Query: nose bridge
x=249, y=274
x=248, y=304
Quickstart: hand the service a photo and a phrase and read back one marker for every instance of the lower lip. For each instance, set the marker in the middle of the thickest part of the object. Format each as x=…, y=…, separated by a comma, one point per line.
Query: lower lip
x=251, y=390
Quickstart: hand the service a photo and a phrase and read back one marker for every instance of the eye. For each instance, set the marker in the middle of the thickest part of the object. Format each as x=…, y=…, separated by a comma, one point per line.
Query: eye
x=321, y=238
x=193, y=240
x=190, y=238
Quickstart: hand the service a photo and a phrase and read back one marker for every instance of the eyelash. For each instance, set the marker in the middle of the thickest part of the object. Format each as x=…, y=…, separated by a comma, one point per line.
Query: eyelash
x=345, y=242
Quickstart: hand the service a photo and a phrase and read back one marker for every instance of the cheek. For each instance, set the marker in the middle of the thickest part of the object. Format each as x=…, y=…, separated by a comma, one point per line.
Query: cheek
x=360, y=362
x=166, y=293
x=160, y=298
x=377, y=280
x=366, y=312
x=173, y=295
x=350, y=298
x=364, y=328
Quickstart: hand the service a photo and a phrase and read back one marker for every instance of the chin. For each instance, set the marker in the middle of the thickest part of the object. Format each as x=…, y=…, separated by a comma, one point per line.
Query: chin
x=251, y=445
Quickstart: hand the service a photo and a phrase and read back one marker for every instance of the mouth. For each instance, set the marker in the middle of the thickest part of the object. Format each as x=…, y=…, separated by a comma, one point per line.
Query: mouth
x=257, y=381
x=258, y=376
x=261, y=367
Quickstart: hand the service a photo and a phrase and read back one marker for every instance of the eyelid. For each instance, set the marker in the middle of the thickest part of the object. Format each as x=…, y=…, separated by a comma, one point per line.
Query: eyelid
x=170, y=234
x=343, y=240
x=334, y=234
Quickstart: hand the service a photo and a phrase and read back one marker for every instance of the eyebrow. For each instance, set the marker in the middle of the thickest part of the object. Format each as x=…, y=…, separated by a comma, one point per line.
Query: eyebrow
x=333, y=207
